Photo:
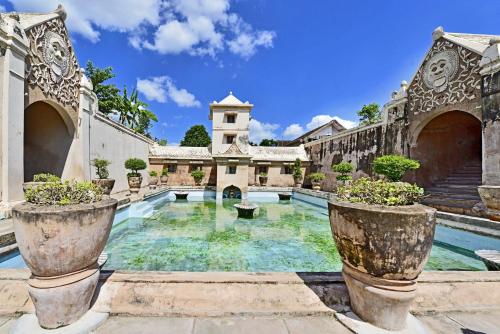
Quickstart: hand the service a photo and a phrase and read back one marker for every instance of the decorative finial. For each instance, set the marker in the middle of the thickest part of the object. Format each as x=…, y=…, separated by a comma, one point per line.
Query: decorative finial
x=61, y=12
x=495, y=40
x=437, y=33
x=230, y=92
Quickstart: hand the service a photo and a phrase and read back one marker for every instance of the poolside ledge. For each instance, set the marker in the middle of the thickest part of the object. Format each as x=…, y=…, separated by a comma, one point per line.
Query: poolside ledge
x=216, y=294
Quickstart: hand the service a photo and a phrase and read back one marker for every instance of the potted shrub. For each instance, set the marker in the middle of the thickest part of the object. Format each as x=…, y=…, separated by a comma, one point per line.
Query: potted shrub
x=61, y=230
x=384, y=239
x=153, y=179
x=164, y=176
x=198, y=175
x=39, y=179
x=297, y=173
x=316, y=179
x=102, y=172
x=394, y=166
x=134, y=177
x=344, y=169
x=263, y=179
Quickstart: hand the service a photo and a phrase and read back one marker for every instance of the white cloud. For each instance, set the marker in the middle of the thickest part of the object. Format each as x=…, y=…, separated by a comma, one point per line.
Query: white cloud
x=153, y=89
x=162, y=88
x=319, y=120
x=259, y=131
x=87, y=17
x=345, y=122
x=293, y=131
x=196, y=27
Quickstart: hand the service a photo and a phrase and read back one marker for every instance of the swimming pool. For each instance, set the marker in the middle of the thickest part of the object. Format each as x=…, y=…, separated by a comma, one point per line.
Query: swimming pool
x=203, y=235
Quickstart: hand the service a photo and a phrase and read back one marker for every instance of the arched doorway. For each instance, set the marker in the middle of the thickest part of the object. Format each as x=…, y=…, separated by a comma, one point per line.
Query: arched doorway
x=446, y=144
x=231, y=192
x=47, y=140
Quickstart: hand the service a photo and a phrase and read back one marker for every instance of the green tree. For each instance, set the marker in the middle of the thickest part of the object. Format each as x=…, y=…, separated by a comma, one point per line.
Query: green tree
x=196, y=136
x=369, y=114
x=134, y=113
x=394, y=166
x=268, y=142
x=162, y=142
x=107, y=95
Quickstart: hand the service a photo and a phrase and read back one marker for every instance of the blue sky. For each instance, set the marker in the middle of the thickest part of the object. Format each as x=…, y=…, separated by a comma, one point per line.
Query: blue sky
x=299, y=62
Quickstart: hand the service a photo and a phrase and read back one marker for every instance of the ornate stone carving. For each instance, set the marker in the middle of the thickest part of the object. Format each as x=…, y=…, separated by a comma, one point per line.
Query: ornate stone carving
x=440, y=70
x=52, y=65
x=449, y=75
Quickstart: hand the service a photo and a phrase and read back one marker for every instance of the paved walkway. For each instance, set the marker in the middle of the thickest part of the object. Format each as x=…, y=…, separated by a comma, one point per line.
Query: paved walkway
x=449, y=323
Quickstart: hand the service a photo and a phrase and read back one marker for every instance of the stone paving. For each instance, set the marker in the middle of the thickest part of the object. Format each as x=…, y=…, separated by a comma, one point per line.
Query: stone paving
x=445, y=323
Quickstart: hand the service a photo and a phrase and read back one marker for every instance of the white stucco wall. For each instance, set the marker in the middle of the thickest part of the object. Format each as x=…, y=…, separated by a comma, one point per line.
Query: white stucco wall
x=114, y=142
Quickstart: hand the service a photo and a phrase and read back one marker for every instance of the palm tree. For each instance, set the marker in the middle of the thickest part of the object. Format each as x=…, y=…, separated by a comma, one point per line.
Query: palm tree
x=134, y=113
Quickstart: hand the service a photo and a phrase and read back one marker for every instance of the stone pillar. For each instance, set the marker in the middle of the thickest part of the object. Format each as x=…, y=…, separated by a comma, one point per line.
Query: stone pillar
x=13, y=50
x=490, y=92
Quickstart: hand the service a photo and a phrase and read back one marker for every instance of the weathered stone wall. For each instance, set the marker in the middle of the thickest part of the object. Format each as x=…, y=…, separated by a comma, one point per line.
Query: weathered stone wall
x=358, y=146
x=491, y=129
x=182, y=176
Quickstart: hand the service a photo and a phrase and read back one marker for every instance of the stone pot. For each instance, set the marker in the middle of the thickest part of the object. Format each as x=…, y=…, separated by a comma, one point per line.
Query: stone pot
x=58, y=240
x=105, y=184
x=263, y=180
x=63, y=300
x=197, y=182
x=316, y=185
x=134, y=184
x=490, y=195
x=297, y=181
x=383, y=250
x=164, y=179
x=153, y=182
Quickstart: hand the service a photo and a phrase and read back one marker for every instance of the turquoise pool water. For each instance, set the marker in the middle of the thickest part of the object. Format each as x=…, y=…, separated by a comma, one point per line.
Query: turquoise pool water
x=284, y=236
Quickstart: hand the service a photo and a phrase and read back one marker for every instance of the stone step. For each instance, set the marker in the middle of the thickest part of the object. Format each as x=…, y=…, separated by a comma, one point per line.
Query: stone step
x=7, y=232
x=462, y=180
x=455, y=186
x=452, y=192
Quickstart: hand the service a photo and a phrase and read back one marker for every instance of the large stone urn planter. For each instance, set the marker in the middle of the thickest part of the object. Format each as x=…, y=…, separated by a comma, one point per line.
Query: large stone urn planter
x=153, y=182
x=134, y=184
x=105, y=184
x=297, y=181
x=316, y=185
x=490, y=195
x=61, y=245
x=383, y=250
x=164, y=179
x=263, y=181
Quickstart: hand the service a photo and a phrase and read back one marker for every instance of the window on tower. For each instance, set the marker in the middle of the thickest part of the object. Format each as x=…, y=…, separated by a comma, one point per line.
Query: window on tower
x=231, y=118
x=230, y=139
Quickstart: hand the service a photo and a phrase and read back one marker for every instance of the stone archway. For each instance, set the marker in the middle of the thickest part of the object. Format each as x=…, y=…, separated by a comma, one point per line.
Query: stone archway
x=48, y=135
x=231, y=192
x=447, y=143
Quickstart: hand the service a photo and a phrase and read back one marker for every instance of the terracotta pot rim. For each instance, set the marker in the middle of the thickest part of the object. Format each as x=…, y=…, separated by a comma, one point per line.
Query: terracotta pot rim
x=26, y=207
x=98, y=179
x=399, y=209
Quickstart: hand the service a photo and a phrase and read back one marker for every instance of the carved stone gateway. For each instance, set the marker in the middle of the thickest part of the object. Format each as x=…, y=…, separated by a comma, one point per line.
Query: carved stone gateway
x=51, y=64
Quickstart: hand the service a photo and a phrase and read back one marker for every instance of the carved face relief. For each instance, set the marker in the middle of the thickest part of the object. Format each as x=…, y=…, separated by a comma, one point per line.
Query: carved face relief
x=56, y=55
x=440, y=69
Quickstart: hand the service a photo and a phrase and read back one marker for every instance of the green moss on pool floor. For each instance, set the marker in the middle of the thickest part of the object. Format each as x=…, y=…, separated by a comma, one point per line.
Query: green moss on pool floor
x=205, y=236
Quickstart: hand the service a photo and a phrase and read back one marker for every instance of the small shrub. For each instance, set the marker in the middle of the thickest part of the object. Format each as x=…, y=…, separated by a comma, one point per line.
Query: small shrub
x=164, y=172
x=394, y=166
x=59, y=193
x=46, y=177
x=153, y=173
x=380, y=192
x=317, y=177
x=263, y=174
x=101, y=166
x=135, y=165
x=297, y=170
x=344, y=168
x=198, y=175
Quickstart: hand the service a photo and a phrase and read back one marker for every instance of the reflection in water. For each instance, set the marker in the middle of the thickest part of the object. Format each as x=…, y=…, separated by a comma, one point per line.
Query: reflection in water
x=208, y=236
